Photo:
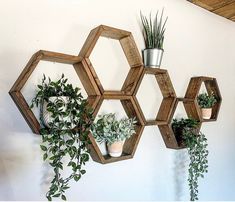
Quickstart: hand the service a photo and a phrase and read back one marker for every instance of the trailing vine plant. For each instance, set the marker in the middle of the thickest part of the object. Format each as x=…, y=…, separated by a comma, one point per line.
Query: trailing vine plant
x=65, y=136
x=196, y=143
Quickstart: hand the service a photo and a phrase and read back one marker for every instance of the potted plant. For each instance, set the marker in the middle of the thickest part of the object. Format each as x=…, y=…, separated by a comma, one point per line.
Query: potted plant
x=65, y=120
x=206, y=102
x=153, y=33
x=186, y=131
x=113, y=132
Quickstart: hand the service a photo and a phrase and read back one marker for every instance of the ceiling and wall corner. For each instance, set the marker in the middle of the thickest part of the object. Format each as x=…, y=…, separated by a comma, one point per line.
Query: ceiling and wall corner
x=224, y=8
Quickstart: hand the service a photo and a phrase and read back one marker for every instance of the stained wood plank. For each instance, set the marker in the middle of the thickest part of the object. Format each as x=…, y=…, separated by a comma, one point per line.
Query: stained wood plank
x=225, y=8
x=25, y=111
x=227, y=11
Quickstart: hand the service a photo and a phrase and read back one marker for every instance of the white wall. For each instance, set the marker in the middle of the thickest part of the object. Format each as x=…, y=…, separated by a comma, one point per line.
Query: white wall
x=197, y=43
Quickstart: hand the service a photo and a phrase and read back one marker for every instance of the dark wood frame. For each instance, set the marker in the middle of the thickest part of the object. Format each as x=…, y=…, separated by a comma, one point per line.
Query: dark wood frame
x=168, y=93
x=127, y=95
x=80, y=67
x=166, y=130
x=211, y=87
x=130, y=144
x=130, y=50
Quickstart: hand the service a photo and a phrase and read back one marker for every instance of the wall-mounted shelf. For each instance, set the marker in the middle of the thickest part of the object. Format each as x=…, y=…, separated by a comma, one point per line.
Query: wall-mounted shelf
x=127, y=95
x=130, y=145
x=168, y=94
x=129, y=48
x=211, y=87
x=76, y=62
x=166, y=130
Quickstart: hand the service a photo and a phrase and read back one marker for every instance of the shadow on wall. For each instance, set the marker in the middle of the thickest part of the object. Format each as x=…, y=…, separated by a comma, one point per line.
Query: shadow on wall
x=5, y=182
x=180, y=173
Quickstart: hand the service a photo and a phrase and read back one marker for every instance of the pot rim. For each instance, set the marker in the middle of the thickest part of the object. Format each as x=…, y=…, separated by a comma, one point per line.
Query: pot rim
x=161, y=49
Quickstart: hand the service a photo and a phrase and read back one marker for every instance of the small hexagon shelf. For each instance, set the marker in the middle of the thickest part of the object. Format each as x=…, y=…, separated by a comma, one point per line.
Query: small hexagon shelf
x=130, y=50
x=170, y=139
x=80, y=67
x=168, y=93
x=211, y=87
x=130, y=144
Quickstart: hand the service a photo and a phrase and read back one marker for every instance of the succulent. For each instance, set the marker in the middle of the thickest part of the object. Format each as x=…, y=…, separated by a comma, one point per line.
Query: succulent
x=153, y=30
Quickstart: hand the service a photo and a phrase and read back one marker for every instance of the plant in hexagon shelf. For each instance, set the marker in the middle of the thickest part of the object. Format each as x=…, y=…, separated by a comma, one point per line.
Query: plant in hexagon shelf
x=65, y=120
x=187, y=132
x=213, y=92
x=206, y=102
x=130, y=144
x=153, y=32
x=113, y=132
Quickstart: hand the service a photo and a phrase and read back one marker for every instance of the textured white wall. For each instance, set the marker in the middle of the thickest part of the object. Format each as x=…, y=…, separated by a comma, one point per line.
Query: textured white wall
x=197, y=43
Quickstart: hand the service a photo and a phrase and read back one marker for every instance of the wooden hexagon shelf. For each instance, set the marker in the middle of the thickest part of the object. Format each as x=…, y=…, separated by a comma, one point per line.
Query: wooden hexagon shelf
x=168, y=93
x=130, y=50
x=170, y=139
x=211, y=87
x=80, y=67
x=130, y=144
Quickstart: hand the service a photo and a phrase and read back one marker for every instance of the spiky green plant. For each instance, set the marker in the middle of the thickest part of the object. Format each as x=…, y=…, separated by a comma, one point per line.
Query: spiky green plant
x=153, y=30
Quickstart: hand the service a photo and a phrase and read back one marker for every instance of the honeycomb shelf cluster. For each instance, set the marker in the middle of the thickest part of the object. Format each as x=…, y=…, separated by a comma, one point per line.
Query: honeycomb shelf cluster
x=127, y=94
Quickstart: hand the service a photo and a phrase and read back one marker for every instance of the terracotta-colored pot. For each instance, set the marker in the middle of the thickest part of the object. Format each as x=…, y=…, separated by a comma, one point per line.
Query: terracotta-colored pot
x=206, y=113
x=115, y=149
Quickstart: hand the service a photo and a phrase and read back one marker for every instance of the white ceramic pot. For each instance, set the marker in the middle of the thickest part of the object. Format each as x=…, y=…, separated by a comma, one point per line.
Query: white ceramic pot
x=115, y=149
x=206, y=113
x=47, y=116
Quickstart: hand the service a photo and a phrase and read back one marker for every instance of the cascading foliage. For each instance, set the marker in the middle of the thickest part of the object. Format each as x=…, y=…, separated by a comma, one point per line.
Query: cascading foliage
x=196, y=144
x=66, y=138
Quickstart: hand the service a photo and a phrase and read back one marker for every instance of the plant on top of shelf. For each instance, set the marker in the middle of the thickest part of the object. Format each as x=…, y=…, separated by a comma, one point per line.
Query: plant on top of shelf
x=206, y=102
x=65, y=120
x=153, y=33
x=113, y=132
x=186, y=130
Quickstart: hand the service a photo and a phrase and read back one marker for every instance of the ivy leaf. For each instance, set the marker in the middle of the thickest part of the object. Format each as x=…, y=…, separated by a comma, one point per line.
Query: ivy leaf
x=77, y=177
x=45, y=156
x=43, y=148
x=63, y=197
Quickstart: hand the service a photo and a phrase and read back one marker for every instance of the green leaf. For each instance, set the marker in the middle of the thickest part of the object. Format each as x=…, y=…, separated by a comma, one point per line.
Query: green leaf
x=43, y=148
x=63, y=197
x=77, y=177
x=45, y=156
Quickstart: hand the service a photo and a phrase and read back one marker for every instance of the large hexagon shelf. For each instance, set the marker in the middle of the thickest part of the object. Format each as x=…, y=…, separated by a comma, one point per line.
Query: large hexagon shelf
x=127, y=94
x=211, y=87
x=168, y=93
x=80, y=67
x=130, y=50
x=130, y=144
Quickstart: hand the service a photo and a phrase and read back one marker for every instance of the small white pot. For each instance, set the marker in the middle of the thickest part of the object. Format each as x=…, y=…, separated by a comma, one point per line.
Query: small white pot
x=115, y=149
x=47, y=115
x=206, y=113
